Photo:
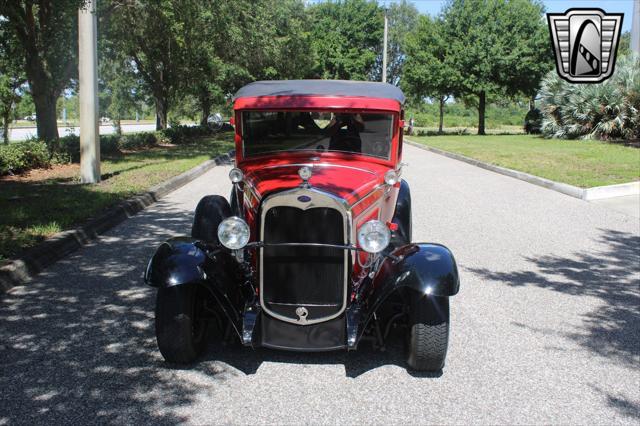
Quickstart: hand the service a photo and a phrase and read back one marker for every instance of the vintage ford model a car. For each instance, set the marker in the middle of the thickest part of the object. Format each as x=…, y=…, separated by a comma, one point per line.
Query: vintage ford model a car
x=313, y=250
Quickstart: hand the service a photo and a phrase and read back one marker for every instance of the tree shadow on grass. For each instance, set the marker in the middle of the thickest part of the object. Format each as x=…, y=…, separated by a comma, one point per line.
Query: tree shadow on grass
x=610, y=273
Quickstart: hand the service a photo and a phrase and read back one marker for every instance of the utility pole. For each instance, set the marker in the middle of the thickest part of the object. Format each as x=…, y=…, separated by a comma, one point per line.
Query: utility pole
x=384, y=47
x=88, y=71
x=635, y=28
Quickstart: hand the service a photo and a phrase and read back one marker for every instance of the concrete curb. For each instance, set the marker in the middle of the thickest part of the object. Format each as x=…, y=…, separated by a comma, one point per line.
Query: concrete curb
x=588, y=194
x=611, y=191
x=20, y=271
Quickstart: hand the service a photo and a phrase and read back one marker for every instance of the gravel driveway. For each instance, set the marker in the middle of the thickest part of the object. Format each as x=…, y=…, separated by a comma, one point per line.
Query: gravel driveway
x=545, y=328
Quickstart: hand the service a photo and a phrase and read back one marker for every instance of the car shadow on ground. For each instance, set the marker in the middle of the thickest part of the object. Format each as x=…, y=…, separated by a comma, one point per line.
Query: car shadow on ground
x=609, y=272
x=366, y=358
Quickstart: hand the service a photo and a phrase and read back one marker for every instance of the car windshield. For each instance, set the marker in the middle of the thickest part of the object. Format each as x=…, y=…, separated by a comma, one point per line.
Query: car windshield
x=276, y=131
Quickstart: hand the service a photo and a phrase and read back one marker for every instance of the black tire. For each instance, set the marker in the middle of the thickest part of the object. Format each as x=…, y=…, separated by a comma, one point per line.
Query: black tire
x=211, y=210
x=428, y=333
x=402, y=217
x=181, y=328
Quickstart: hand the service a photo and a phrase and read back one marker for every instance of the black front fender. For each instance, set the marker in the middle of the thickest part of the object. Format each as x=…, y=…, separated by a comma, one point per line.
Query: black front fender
x=422, y=268
x=177, y=261
x=428, y=269
x=182, y=261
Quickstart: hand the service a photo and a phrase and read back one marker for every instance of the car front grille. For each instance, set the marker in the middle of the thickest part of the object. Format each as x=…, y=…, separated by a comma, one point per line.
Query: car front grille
x=303, y=284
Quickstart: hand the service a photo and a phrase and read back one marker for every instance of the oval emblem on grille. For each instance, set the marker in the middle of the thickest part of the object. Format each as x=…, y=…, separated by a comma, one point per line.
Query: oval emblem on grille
x=304, y=199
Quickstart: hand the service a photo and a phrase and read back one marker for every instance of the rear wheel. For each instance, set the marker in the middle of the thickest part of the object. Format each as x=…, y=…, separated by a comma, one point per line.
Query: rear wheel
x=428, y=333
x=181, y=325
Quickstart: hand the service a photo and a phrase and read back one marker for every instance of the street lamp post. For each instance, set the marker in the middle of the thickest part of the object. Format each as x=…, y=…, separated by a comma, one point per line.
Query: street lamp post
x=88, y=72
x=384, y=48
x=635, y=28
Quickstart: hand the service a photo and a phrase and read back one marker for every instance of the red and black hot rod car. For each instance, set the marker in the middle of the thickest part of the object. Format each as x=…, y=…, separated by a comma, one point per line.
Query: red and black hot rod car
x=313, y=251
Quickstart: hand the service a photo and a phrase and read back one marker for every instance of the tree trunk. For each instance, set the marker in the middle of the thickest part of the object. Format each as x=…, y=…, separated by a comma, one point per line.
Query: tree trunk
x=206, y=112
x=441, y=114
x=162, y=110
x=44, y=96
x=481, y=110
x=205, y=108
x=46, y=122
x=532, y=103
x=117, y=125
x=5, y=127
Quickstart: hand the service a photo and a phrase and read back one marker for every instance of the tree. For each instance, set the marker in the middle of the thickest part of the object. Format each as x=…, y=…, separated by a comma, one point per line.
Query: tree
x=119, y=85
x=149, y=32
x=229, y=44
x=624, y=46
x=12, y=79
x=428, y=71
x=497, y=46
x=346, y=38
x=402, y=20
x=47, y=31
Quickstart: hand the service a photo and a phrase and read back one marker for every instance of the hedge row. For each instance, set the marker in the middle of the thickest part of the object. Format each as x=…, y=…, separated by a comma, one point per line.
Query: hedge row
x=19, y=157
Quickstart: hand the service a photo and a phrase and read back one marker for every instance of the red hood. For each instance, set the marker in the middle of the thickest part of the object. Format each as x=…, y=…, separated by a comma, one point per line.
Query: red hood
x=349, y=180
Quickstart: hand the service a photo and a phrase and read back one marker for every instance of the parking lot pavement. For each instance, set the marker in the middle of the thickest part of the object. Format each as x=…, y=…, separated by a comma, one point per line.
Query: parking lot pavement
x=545, y=328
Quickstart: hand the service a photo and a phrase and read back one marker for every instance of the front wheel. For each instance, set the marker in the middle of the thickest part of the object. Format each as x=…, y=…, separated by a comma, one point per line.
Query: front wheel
x=181, y=325
x=428, y=333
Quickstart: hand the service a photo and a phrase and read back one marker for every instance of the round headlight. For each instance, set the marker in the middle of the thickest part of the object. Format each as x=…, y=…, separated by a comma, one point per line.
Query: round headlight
x=233, y=233
x=374, y=236
x=391, y=177
x=236, y=175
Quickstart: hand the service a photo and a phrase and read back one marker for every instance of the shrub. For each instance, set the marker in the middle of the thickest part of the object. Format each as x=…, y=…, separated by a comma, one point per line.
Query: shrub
x=69, y=146
x=22, y=156
x=135, y=141
x=608, y=110
x=533, y=121
x=446, y=132
x=182, y=134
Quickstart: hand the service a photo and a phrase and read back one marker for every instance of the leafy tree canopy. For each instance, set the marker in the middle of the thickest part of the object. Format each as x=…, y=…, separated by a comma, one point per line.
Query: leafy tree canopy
x=47, y=33
x=497, y=46
x=346, y=37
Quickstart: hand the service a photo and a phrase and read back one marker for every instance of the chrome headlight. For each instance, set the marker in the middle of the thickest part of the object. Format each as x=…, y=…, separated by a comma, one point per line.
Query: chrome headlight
x=233, y=233
x=236, y=175
x=374, y=236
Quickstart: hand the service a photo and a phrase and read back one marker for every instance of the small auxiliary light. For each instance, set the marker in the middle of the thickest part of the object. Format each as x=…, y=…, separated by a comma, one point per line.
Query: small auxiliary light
x=236, y=175
x=391, y=177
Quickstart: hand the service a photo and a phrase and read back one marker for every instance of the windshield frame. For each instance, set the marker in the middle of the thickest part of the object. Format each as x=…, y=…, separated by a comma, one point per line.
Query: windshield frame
x=335, y=155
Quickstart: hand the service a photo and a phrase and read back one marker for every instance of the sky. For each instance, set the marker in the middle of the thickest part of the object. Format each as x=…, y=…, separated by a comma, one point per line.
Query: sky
x=432, y=7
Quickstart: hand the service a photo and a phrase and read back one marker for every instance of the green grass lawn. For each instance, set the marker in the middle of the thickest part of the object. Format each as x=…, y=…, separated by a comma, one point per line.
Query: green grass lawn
x=45, y=202
x=576, y=162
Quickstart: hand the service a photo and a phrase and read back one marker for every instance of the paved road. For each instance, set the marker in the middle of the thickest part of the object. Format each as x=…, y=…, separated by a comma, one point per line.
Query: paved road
x=629, y=204
x=545, y=328
x=23, y=133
